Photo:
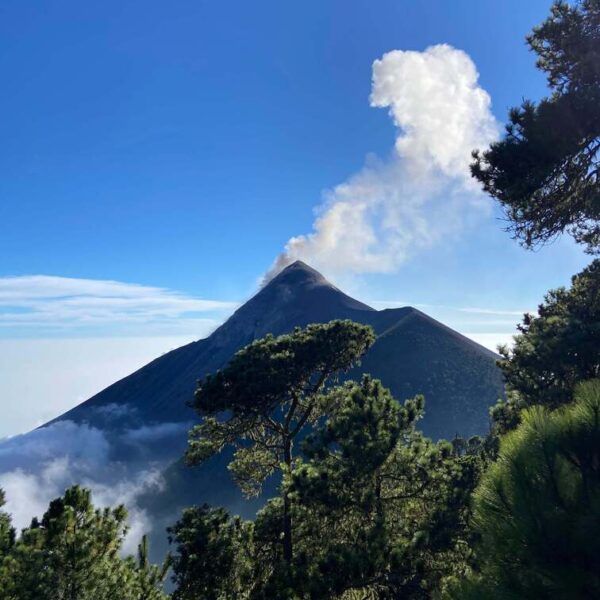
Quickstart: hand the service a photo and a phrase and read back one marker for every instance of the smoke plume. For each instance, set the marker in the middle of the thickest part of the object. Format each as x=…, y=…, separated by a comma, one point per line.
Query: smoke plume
x=392, y=209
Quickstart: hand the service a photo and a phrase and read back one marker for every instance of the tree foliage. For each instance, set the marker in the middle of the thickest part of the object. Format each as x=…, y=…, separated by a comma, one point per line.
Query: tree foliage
x=148, y=578
x=545, y=172
x=537, y=507
x=383, y=508
x=7, y=533
x=265, y=399
x=555, y=349
x=73, y=553
x=213, y=553
x=377, y=511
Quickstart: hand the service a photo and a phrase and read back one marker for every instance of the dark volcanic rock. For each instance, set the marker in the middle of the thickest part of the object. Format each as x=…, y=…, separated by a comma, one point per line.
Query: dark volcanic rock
x=413, y=354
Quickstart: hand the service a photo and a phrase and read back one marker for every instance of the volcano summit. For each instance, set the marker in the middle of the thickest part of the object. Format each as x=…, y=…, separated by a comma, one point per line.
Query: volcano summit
x=126, y=442
x=414, y=354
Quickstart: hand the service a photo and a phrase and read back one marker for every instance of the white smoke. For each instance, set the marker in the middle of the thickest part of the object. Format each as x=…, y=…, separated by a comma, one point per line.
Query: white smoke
x=392, y=209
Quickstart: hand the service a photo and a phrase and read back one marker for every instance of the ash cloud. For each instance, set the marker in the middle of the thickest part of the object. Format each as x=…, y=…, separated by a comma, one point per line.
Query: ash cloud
x=392, y=209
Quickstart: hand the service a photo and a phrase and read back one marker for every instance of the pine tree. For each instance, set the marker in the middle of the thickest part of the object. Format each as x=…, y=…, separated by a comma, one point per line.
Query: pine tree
x=271, y=392
x=536, y=508
x=73, y=553
x=7, y=532
x=148, y=578
x=546, y=171
x=555, y=350
x=382, y=510
x=377, y=511
x=214, y=555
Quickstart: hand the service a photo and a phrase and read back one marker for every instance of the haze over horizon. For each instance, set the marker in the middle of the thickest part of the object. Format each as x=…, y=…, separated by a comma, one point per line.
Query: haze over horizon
x=147, y=200
x=79, y=367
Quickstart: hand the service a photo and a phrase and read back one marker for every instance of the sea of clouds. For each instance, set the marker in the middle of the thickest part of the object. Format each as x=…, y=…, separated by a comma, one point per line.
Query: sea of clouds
x=119, y=466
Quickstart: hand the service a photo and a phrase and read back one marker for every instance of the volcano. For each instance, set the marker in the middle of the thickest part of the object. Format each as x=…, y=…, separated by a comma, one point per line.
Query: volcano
x=413, y=354
x=135, y=431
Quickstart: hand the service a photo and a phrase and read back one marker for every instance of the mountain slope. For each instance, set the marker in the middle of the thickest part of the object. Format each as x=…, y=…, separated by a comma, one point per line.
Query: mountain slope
x=413, y=354
x=158, y=392
x=459, y=378
x=121, y=438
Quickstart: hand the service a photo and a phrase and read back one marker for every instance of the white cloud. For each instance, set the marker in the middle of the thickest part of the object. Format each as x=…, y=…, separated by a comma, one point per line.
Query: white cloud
x=83, y=445
x=29, y=493
x=435, y=100
x=127, y=492
x=63, y=339
x=383, y=304
x=24, y=500
x=146, y=433
x=392, y=209
x=38, y=466
x=63, y=302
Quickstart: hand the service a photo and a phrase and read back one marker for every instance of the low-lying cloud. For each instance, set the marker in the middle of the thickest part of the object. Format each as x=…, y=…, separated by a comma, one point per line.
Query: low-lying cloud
x=64, y=302
x=423, y=193
x=38, y=466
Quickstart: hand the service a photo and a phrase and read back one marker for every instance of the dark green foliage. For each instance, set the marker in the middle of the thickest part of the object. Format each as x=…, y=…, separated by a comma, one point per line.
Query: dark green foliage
x=265, y=377
x=7, y=533
x=381, y=510
x=69, y=552
x=376, y=511
x=537, y=508
x=545, y=172
x=271, y=391
x=149, y=578
x=73, y=554
x=7, y=540
x=274, y=368
x=212, y=560
x=555, y=350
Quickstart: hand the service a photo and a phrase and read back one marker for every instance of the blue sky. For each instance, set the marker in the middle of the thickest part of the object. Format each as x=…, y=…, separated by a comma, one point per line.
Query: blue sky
x=179, y=146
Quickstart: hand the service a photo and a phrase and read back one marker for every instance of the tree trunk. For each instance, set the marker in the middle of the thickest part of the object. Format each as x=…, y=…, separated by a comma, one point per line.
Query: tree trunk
x=287, y=517
x=378, y=500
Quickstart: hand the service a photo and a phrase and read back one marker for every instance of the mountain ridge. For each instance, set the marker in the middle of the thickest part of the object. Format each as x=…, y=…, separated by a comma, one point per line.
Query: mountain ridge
x=297, y=296
x=144, y=417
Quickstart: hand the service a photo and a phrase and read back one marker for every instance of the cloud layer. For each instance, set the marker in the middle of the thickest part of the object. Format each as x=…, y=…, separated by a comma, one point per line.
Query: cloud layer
x=392, y=209
x=43, y=301
x=38, y=466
